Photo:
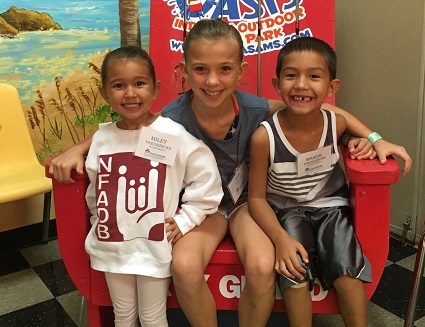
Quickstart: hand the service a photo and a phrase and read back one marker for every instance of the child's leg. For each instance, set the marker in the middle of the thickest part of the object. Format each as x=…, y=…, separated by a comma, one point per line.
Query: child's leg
x=351, y=301
x=191, y=255
x=297, y=298
x=123, y=292
x=341, y=260
x=257, y=254
x=152, y=295
x=298, y=305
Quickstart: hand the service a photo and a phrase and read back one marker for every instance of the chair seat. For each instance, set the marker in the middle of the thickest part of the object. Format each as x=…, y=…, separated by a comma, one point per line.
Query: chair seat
x=21, y=174
x=21, y=184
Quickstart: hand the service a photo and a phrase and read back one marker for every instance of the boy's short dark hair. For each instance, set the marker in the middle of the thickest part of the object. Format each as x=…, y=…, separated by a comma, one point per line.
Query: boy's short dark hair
x=308, y=44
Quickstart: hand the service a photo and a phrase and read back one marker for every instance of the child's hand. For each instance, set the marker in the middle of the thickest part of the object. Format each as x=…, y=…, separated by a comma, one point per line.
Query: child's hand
x=361, y=148
x=62, y=165
x=384, y=149
x=287, y=262
x=172, y=230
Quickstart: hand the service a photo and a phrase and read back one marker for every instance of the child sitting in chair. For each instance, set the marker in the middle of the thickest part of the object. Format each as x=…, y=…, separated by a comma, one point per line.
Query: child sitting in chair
x=298, y=192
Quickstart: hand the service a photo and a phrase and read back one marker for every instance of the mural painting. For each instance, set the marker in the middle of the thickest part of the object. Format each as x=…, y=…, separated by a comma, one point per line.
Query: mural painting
x=51, y=51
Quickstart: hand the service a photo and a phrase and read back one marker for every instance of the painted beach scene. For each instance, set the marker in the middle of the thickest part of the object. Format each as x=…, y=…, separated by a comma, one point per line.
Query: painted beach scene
x=52, y=51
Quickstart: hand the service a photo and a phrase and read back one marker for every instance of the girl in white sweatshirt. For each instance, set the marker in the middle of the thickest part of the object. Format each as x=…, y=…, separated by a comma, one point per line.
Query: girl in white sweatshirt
x=138, y=167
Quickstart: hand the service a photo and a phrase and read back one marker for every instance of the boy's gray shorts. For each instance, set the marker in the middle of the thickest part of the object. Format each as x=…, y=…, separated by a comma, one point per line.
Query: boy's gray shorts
x=328, y=236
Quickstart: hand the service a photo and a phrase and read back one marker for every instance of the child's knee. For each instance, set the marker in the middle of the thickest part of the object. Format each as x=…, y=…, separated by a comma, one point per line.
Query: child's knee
x=154, y=317
x=347, y=284
x=260, y=275
x=261, y=266
x=296, y=292
x=186, y=265
x=125, y=316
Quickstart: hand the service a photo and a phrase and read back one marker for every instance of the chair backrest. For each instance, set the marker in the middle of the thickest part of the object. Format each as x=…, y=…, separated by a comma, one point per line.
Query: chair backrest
x=16, y=147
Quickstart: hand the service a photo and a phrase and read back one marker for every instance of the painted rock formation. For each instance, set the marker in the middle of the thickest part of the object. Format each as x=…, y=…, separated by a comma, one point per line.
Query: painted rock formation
x=17, y=20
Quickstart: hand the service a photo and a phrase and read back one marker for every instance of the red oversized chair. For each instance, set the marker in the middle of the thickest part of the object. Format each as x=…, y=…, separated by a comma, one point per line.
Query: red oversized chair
x=370, y=201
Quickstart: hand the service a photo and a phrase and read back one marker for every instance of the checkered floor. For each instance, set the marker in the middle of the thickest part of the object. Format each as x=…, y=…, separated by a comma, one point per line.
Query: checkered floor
x=36, y=291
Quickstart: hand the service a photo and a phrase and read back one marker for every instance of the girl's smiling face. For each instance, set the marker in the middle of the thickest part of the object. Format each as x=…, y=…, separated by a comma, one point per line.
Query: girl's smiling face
x=130, y=91
x=213, y=68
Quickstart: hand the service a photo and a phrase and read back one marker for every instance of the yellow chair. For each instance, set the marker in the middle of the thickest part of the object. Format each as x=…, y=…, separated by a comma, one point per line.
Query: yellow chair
x=21, y=174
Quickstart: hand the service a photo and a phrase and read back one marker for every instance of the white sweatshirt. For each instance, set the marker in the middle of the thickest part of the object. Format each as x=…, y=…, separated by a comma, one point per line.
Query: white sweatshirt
x=129, y=197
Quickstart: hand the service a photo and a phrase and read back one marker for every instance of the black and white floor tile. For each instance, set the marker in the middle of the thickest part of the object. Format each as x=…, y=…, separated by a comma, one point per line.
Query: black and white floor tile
x=36, y=291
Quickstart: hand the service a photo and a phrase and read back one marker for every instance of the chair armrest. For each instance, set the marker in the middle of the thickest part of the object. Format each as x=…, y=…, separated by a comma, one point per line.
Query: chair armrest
x=74, y=175
x=370, y=171
x=370, y=192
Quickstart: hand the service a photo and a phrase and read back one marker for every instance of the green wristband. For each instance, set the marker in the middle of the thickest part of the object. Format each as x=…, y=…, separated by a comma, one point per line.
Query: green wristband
x=373, y=137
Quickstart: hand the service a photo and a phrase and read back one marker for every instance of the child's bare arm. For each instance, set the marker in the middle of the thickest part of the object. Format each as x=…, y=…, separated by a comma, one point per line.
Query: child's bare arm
x=275, y=105
x=362, y=148
x=286, y=247
x=383, y=148
x=354, y=125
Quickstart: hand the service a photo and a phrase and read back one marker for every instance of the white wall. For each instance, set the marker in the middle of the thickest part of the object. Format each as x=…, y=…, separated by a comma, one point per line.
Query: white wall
x=381, y=64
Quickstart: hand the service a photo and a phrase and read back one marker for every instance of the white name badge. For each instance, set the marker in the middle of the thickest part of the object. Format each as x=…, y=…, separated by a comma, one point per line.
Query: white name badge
x=314, y=161
x=157, y=146
x=238, y=182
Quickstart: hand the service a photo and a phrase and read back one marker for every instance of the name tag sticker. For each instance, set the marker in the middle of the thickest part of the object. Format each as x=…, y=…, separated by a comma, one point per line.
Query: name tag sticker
x=238, y=182
x=157, y=146
x=314, y=161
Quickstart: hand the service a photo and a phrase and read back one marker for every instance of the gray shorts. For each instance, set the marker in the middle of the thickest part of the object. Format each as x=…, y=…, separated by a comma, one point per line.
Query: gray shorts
x=228, y=209
x=328, y=236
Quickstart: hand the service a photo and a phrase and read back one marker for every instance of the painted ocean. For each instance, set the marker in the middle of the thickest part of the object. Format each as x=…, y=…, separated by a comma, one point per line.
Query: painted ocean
x=88, y=27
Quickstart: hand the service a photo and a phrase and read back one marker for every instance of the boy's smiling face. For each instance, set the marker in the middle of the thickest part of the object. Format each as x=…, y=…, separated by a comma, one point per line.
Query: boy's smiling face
x=305, y=82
